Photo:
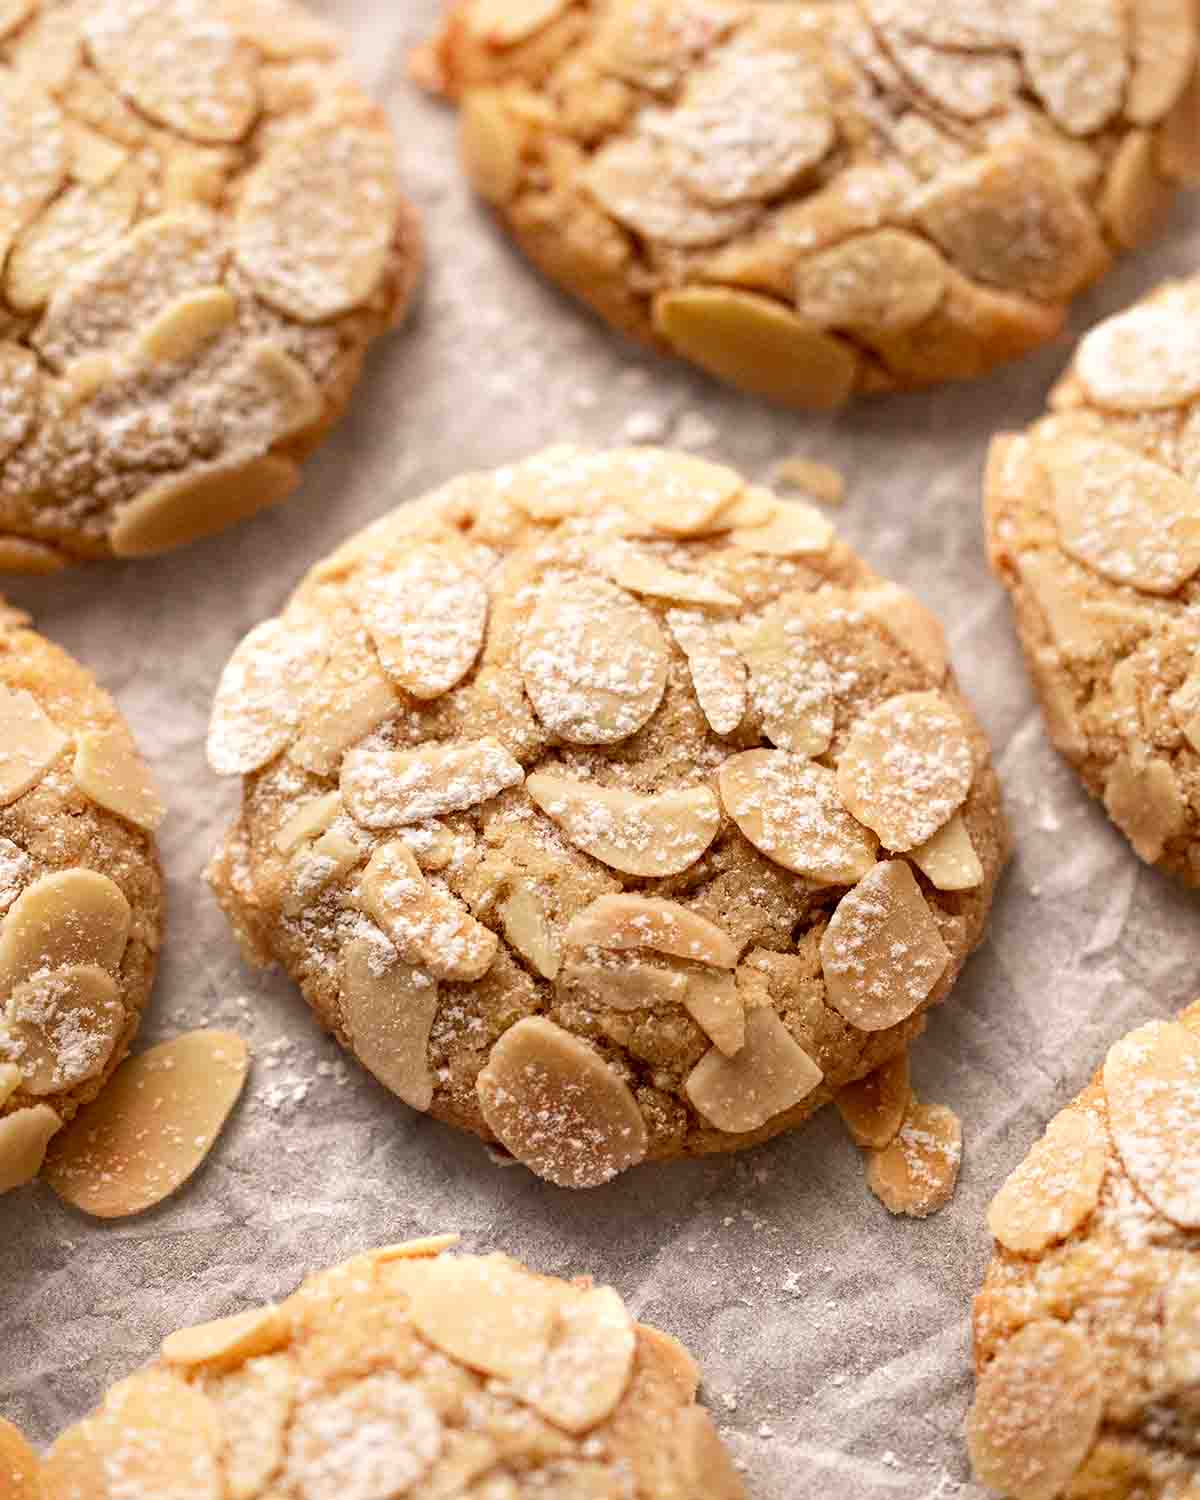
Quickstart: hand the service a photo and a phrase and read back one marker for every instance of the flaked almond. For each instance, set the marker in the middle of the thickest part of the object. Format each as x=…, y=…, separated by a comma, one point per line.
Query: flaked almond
x=913, y=627
x=430, y=927
x=789, y=809
x=186, y=507
x=1136, y=196
x=1163, y=39
x=675, y=494
x=718, y=672
x=350, y=698
x=30, y=743
x=1185, y=707
x=405, y=1438
x=888, y=279
x=1146, y=359
x=388, y=1008
x=715, y=1004
x=108, y=769
x=492, y=140
x=35, y=152
x=10, y=1081
x=309, y=822
x=1055, y=1188
x=61, y=1027
x=594, y=661
x=1181, y=1327
x=22, y=380
x=755, y=505
x=423, y=1246
x=255, y=1403
x=316, y=865
x=624, y=983
x=260, y=697
x=227, y=1342
x=906, y=768
x=631, y=178
x=504, y=23
x=794, y=530
x=770, y=1073
x=1146, y=802
x=24, y=1137
x=625, y=921
x=1077, y=61
x=527, y=927
x=82, y=222
x=948, y=860
x=389, y=788
x=656, y=835
x=558, y=1107
x=152, y=1127
x=1152, y=1080
x=427, y=616
x=73, y=917
x=642, y=573
x=158, y=1435
x=588, y=1364
x=184, y=328
x=791, y=684
x=20, y=1467
x=820, y=482
x=882, y=953
x=916, y=1173
x=873, y=1108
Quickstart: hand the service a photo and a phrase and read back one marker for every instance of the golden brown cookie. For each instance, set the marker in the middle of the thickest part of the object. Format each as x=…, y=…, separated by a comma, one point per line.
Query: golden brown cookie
x=812, y=200
x=608, y=807
x=201, y=234
x=80, y=892
x=1087, y=1330
x=1093, y=520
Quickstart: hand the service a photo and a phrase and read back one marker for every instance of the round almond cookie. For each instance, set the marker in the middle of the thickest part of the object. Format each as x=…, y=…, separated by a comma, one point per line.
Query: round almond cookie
x=408, y=1371
x=827, y=197
x=608, y=807
x=80, y=892
x=1087, y=1329
x=201, y=235
x=1093, y=519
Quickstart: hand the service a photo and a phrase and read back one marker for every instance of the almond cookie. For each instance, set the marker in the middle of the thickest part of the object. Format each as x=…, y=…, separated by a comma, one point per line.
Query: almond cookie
x=80, y=892
x=814, y=200
x=408, y=1371
x=1093, y=519
x=608, y=807
x=201, y=234
x=1087, y=1330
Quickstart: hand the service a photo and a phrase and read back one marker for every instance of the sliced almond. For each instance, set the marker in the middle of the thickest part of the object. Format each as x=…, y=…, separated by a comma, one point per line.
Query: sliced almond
x=61, y=1027
x=388, y=788
x=30, y=743
x=184, y=328
x=913, y=627
x=24, y=1137
x=1037, y=1411
x=969, y=85
x=20, y=1467
x=22, y=385
x=873, y=1108
x=95, y=159
x=906, y=768
x=405, y=1436
x=1164, y=54
x=83, y=222
x=254, y=1404
x=34, y=148
x=888, y=279
x=820, y=482
x=10, y=1082
x=1136, y=195
x=794, y=530
x=948, y=860
x=753, y=506
x=431, y=928
x=620, y=922
x=108, y=769
x=309, y=822
x=483, y=1311
x=715, y=1004
x=351, y=697
x=427, y=616
x=261, y=694
x=527, y=928
x=419, y=1249
x=1147, y=804
x=75, y=916
x=1181, y=1327
x=769, y=1074
x=1146, y=359
x=916, y=1173
x=1077, y=61
x=1152, y=1080
x=791, y=685
x=186, y=507
x=631, y=179
x=594, y=661
x=227, y=1342
x=492, y=140
x=642, y=573
x=1055, y=1188
x=280, y=30
x=623, y=984
x=589, y=1362
x=658, y=835
x=151, y=1128
x=882, y=953
x=718, y=672
x=315, y=866
x=389, y=1009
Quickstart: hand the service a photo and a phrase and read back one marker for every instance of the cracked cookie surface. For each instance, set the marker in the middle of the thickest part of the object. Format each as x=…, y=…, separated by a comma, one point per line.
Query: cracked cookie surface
x=601, y=805
x=814, y=200
x=201, y=234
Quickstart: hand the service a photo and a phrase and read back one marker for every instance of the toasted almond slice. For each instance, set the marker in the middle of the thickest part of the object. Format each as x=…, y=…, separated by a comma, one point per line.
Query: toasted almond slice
x=873, y=1108
x=1136, y=195
x=677, y=493
x=948, y=859
x=769, y=1074
x=280, y=30
x=789, y=809
x=820, y=482
x=504, y=23
x=714, y=1003
x=1037, y=1411
x=624, y=921
x=22, y=386
x=158, y=1435
x=421, y=1248
x=431, y=928
x=83, y=222
x=427, y=616
x=389, y=1008
x=913, y=627
x=1152, y=1080
x=753, y=506
x=888, y=279
x=388, y=788
x=405, y=1436
x=108, y=769
x=188, y=506
x=20, y=1467
x=184, y=328
x=795, y=530
x=625, y=984
x=631, y=179
x=558, y=1107
x=656, y=835
x=311, y=821
x=1179, y=136
x=24, y=1137
x=1077, y=61
x=916, y=1173
x=75, y=916
x=10, y=1081
x=594, y=661
x=1055, y=1188
x=491, y=139
x=588, y=1365
x=30, y=743
x=527, y=928
x=969, y=85
x=351, y=697
x=791, y=685
x=254, y=1403
x=1181, y=1327
x=882, y=953
x=261, y=694
x=228, y=1342
x=1164, y=54
x=1146, y=359
x=906, y=768
x=152, y=1126
x=1146, y=802
x=34, y=148
x=718, y=672
x=642, y=573
x=61, y=1027
x=315, y=866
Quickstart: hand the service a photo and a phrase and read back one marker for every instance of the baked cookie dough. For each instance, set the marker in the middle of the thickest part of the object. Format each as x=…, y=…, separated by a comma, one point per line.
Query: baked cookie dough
x=408, y=1372
x=1087, y=1330
x=813, y=200
x=1093, y=520
x=608, y=807
x=200, y=234
x=80, y=892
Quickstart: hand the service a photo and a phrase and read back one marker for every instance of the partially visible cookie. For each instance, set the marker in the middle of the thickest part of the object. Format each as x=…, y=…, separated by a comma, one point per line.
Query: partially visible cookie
x=1093, y=520
x=828, y=197
x=607, y=806
x=1087, y=1330
x=80, y=892
x=408, y=1372
x=201, y=234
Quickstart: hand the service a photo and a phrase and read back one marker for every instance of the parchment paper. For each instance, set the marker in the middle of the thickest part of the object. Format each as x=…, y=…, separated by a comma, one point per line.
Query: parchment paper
x=833, y=1338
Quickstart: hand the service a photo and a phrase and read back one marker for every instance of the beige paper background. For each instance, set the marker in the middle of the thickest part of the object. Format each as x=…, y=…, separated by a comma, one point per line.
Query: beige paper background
x=834, y=1339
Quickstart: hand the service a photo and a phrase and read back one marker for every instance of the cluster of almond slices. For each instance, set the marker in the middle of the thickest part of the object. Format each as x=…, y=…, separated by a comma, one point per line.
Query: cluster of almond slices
x=526, y=761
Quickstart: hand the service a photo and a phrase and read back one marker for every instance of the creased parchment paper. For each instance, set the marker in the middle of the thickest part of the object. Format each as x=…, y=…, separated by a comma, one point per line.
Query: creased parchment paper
x=833, y=1338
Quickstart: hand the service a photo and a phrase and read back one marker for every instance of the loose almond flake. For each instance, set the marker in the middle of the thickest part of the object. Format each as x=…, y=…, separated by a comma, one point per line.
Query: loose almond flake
x=718, y=672
x=948, y=859
x=789, y=809
x=769, y=1074
x=389, y=1008
x=882, y=953
x=906, y=768
x=527, y=928
x=260, y=696
x=643, y=573
x=24, y=1137
x=1037, y=1410
x=151, y=1128
x=389, y=788
x=589, y=1363
x=228, y=1342
x=108, y=769
x=917, y=1172
x=73, y=917
x=427, y=616
x=60, y=1027
x=791, y=685
x=1152, y=1080
x=873, y=1108
x=558, y=1107
x=651, y=836
x=504, y=23
x=1055, y=1188
x=620, y=922
x=1146, y=359
x=20, y=1467
x=30, y=743
x=186, y=507
x=1181, y=1327
x=1077, y=60
x=430, y=927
